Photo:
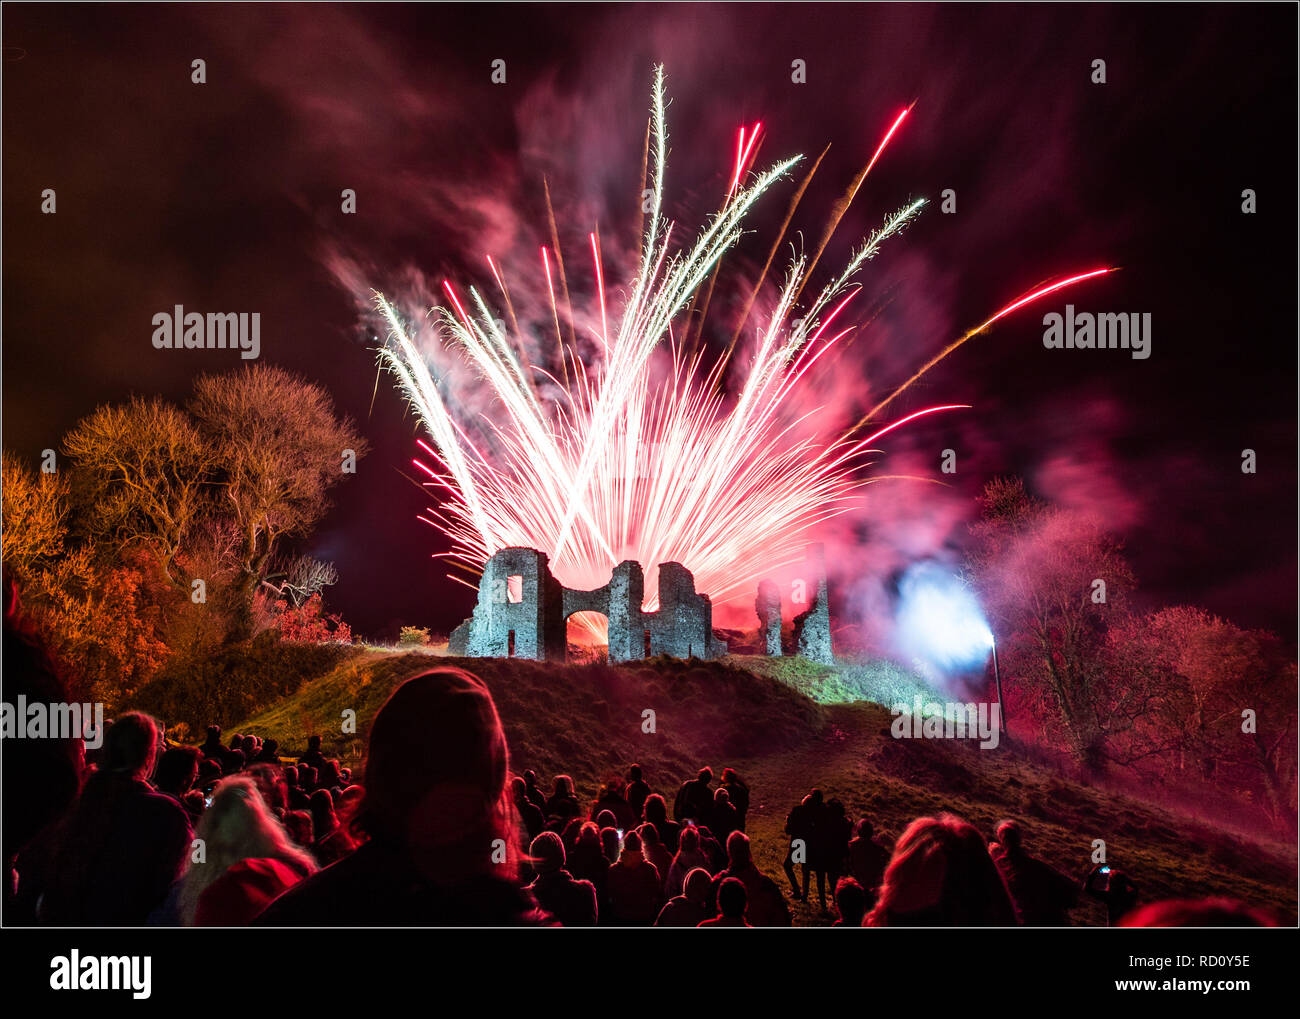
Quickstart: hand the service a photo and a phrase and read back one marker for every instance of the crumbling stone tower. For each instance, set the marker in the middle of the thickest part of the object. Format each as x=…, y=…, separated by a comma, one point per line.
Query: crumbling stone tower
x=812, y=628
x=768, y=607
x=519, y=610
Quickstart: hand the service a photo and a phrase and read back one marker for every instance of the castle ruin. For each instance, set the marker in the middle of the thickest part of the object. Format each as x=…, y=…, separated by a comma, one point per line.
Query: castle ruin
x=523, y=611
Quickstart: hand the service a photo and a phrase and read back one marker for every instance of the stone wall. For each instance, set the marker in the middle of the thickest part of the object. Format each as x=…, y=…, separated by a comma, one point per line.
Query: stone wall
x=535, y=626
x=528, y=618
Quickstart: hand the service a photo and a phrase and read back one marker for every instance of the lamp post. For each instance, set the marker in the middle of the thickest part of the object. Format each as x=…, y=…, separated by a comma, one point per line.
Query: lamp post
x=997, y=682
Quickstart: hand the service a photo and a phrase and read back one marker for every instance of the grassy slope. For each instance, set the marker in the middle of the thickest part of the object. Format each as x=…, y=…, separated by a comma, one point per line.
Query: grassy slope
x=759, y=716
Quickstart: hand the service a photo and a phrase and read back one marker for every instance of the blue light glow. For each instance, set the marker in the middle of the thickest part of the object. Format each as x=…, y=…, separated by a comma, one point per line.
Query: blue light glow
x=939, y=620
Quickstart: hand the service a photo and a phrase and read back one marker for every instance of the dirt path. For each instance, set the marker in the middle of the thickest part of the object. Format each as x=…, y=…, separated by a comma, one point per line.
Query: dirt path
x=833, y=762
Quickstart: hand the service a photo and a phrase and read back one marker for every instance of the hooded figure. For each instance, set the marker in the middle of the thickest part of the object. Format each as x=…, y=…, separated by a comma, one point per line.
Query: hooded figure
x=571, y=902
x=442, y=847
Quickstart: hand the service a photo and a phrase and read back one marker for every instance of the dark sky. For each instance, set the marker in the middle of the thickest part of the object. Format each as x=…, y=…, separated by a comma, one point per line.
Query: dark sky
x=225, y=197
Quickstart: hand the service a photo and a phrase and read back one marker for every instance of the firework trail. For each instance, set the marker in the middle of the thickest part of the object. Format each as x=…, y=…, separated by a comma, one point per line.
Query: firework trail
x=651, y=465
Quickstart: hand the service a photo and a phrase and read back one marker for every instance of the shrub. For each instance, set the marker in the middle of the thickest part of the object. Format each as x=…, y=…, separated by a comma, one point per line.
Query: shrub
x=308, y=623
x=413, y=636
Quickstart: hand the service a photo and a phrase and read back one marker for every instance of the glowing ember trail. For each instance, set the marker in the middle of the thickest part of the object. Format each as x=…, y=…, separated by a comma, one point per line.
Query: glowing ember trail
x=640, y=453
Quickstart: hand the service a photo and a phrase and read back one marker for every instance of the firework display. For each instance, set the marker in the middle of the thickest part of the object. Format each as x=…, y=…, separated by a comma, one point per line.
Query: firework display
x=630, y=462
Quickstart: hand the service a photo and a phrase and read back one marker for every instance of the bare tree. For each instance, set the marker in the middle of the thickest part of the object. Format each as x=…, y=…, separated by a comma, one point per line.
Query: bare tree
x=299, y=577
x=280, y=449
x=35, y=512
x=141, y=475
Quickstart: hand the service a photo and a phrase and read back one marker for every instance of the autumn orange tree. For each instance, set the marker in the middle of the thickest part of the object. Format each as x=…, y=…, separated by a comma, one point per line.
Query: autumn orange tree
x=159, y=535
x=142, y=477
x=35, y=515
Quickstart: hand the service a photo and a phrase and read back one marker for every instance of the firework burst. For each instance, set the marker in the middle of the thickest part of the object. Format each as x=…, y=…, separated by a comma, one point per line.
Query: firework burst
x=630, y=461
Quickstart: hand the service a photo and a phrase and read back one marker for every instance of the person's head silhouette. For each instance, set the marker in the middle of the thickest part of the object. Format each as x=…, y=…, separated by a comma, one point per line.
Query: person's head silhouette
x=738, y=850
x=130, y=745
x=436, y=776
x=732, y=898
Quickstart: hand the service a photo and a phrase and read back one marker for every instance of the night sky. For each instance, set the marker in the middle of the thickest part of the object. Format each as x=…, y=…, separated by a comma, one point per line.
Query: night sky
x=225, y=197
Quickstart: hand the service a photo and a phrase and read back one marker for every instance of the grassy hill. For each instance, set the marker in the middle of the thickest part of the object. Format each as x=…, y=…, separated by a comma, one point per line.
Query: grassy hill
x=787, y=725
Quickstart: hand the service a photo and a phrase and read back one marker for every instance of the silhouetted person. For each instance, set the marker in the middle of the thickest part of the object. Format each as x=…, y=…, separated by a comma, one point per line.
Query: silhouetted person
x=330, y=840
x=442, y=845
x=767, y=906
x=850, y=903
x=41, y=776
x=611, y=799
x=122, y=845
x=313, y=758
x=610, y=843
x=654, y=852
x=328, y=776
x=529, y=813
x=867, y=858
x=176, y=771
x=656, y=812
x=606, y=819
x=635, y=888
x=712, y=849
x=689, y=857
x=694, y=803
x=739, y=794
x=588, y=862
x=323, y=821
x=941, y=875
x=731, y=905
x=1115, y=889
x=830, y=847
x=801, y=826
x=268, y=752
x=690, y=908
x=726, y=818
x=570, y=832
x=637, y=790
x=299, y=798
x=212, y=746
x=571, y=901
x=535, y=795
x=232, y=761
x=563, y=804
x=1042, y=895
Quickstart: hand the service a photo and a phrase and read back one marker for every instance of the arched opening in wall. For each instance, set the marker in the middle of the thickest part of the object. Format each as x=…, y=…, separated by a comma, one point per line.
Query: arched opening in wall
x=587, y=637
